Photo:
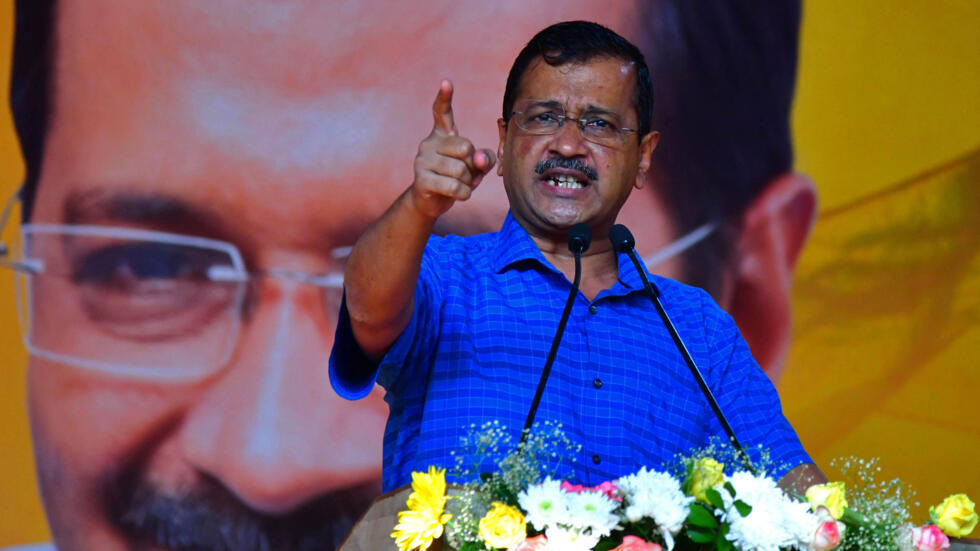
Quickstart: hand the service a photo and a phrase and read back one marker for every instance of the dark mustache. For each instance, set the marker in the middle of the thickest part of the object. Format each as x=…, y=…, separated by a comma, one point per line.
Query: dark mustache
x=210, y=518
x=571, y=164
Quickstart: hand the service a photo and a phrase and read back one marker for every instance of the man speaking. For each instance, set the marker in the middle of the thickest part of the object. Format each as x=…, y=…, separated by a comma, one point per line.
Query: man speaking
x=457, y=329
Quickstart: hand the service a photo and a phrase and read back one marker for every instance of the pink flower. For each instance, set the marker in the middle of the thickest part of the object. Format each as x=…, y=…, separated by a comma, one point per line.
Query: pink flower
x=606, y=487
x=610, y=490
x=929, y=538
x=633, y=543
x=826, y=537
x=537, y=543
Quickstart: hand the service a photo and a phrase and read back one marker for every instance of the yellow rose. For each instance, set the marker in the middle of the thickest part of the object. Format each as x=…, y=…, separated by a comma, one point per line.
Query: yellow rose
x=830, y=495
x=706, y=474
x=955, y=516
x=503, y=526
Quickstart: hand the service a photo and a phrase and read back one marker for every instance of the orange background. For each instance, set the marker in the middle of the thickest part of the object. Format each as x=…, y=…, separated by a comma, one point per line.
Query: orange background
x=887, y=300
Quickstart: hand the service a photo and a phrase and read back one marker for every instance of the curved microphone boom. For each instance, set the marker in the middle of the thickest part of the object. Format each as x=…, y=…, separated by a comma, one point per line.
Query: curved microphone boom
x=622, y=240
x=579, y=239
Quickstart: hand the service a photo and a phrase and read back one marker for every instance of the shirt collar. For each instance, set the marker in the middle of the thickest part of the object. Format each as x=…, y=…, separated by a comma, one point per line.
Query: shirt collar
x=515, y=245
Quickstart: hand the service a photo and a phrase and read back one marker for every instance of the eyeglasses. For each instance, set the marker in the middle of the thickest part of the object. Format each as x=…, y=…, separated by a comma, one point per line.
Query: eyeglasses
x=136, y=302
x=680, y=244
x=547, y=117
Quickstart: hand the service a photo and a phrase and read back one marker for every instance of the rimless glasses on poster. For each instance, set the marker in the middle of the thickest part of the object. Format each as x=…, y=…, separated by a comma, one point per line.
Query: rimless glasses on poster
x=134, y=302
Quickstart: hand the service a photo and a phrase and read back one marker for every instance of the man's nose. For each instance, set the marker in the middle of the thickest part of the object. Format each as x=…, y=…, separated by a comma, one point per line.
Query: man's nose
x=569, y=141
x=270, y=427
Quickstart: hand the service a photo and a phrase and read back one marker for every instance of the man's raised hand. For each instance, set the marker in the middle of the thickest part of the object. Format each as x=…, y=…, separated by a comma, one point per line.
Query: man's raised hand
x=447, y=168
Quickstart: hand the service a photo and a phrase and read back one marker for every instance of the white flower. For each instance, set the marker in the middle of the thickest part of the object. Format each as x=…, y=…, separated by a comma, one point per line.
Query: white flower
x=570, y=539
x=776, y=520
x=545, y=504
x=658, y=496
x=801, y=522
x=592, y=511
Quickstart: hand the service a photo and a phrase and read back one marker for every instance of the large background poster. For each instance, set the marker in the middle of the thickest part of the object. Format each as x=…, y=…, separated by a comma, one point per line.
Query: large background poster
x=883, y=354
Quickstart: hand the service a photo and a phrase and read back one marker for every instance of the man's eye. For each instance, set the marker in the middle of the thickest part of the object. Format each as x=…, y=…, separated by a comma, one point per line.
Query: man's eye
x=118, y=264
x=545, y=118
x=599, y=124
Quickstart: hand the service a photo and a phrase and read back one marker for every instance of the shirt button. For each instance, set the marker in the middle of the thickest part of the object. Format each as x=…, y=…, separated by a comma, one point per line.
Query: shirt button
x=593, y=309
x=595, y=459
x=597, y=382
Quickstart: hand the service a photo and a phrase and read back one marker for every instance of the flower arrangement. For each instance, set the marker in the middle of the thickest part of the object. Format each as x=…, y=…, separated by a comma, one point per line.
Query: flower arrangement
x=707, y=501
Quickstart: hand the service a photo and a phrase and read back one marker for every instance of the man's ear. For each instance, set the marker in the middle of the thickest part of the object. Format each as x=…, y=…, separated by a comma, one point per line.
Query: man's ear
x=502, y=131
x=647, y=145
x=774, y=229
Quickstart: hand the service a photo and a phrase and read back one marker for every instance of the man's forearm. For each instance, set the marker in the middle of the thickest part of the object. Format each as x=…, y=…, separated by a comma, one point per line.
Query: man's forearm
x=383, y=268
x=381, y=275
x=798, y=479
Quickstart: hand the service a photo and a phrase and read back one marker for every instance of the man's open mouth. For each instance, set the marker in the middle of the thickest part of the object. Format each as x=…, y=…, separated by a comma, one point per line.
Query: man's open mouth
x=565, y=181
x=565, y=173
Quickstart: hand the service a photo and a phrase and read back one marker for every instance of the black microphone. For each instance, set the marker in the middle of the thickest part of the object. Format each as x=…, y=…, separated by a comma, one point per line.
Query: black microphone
x=623, y=242
x=579, y=239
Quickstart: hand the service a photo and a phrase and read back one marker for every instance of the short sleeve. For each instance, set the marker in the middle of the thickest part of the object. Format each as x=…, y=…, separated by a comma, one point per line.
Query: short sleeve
x=747, y=396
x=353, y=374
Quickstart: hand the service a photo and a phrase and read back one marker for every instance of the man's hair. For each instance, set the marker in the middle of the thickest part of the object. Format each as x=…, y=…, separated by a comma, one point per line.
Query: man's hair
x=725, y=72
x=31, y=88
x=581, y=42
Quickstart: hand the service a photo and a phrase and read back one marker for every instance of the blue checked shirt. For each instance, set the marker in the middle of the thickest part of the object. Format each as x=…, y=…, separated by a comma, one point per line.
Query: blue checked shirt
x=486, y=310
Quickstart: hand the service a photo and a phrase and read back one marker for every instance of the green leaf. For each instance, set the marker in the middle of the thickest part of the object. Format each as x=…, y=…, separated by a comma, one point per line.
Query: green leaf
x=854, y=518
x=688, y=472
x=730, y=488
x=742, y=507
x=699, y=516
x=714, y=498
x=698, y=536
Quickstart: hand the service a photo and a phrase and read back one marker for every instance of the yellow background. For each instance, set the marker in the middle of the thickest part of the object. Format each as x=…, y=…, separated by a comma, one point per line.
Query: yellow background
x=885, y=360
x=887, y=301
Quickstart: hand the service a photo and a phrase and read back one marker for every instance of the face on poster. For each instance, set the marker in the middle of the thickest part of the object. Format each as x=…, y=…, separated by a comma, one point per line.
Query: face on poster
x=189, y=137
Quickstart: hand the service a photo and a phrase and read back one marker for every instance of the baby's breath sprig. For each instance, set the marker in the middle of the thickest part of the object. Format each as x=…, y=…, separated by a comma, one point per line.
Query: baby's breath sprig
x=884, y=505
x=723, y=452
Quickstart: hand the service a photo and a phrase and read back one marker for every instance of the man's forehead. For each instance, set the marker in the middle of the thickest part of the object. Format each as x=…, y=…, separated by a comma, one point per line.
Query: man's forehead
x=239, y=61
x=599, y=83
x=266, y=30
x=301, y=85
x=358, y=37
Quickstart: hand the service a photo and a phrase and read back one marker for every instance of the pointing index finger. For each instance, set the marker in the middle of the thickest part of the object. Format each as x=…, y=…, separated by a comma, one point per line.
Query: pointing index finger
x=442, y=109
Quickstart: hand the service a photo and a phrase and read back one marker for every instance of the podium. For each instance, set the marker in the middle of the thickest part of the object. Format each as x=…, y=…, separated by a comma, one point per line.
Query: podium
x=373, y=531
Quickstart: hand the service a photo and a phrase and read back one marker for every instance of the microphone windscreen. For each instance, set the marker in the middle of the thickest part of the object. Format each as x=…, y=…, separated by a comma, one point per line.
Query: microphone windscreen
x=621, y=238
x=579, y=237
